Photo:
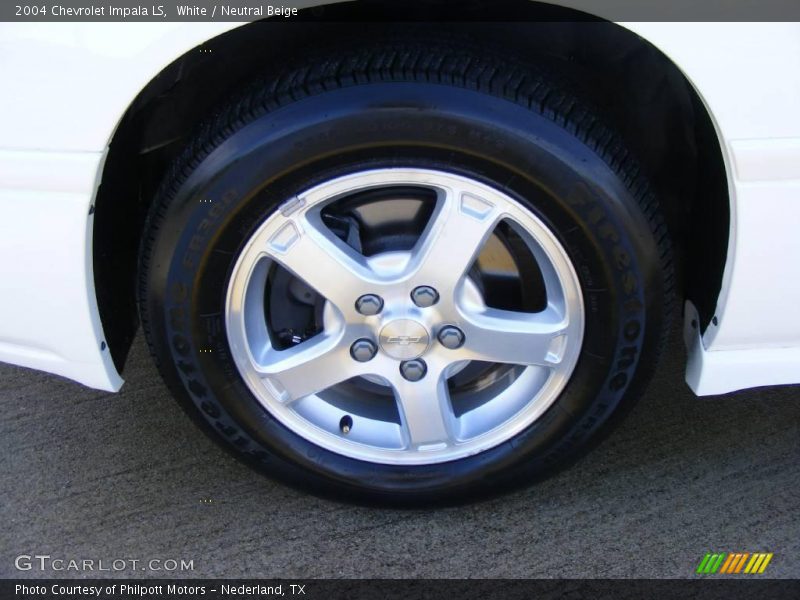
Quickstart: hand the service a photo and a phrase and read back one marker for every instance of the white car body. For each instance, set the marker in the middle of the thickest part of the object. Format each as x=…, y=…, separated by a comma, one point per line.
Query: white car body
x=67, y=85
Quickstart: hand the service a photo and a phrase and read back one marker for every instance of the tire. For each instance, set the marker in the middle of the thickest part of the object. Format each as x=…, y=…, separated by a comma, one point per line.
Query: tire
x=413, y=115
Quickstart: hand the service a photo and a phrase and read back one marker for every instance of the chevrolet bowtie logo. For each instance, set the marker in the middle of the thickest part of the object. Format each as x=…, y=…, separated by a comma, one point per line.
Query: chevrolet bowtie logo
x=403, y=340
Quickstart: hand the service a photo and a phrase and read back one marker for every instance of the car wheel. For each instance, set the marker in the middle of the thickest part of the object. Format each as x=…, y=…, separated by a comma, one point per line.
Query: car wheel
x=405, y=273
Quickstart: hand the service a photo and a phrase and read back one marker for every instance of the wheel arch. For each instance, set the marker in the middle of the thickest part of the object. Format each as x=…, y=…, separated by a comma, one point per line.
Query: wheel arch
x=642, y=92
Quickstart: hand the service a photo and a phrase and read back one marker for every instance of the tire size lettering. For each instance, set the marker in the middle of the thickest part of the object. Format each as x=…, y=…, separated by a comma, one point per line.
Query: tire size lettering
x=582, y=197
x=198, y=241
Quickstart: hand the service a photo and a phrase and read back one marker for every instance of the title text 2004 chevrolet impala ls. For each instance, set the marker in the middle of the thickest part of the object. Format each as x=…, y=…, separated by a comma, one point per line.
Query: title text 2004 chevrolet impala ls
x=402, y=263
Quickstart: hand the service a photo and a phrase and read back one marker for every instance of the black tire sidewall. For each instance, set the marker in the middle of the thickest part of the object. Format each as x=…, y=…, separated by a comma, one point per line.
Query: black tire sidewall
x=211, y=212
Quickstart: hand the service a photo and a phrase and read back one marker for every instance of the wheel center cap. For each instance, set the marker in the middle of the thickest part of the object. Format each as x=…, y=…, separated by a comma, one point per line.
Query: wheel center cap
x=404, y=339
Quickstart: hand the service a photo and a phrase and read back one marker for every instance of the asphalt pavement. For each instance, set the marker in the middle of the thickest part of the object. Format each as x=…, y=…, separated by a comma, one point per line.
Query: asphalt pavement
x=87, y=475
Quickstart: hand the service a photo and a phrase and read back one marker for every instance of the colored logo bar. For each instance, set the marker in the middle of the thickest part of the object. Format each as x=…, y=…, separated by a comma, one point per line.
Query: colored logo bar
x=734, y=563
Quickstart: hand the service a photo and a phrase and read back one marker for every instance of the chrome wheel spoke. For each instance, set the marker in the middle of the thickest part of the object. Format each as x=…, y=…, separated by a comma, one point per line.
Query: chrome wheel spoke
x=305, y=369
x=426, y=413
x=518, y=338
x=334, y=270
x=458, y=229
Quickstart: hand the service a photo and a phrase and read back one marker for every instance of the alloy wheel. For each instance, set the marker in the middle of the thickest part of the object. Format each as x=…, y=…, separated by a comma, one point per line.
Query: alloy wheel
x=405, y=361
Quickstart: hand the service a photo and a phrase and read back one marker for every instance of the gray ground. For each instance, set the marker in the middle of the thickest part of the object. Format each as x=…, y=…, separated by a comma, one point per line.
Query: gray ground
x=86, y=474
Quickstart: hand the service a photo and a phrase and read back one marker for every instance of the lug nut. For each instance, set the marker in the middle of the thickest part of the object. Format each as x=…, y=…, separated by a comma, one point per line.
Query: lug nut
x=369, y=304
x=424, y=296
x=413, y=370
x=451, y=337
x=363, y=350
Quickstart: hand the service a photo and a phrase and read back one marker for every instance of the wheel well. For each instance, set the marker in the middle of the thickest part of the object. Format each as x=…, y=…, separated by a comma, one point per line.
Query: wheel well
x=638, y=90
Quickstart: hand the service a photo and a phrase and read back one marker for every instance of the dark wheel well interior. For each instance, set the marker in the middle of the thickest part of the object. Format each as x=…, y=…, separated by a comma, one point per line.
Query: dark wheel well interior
x=640, y=92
